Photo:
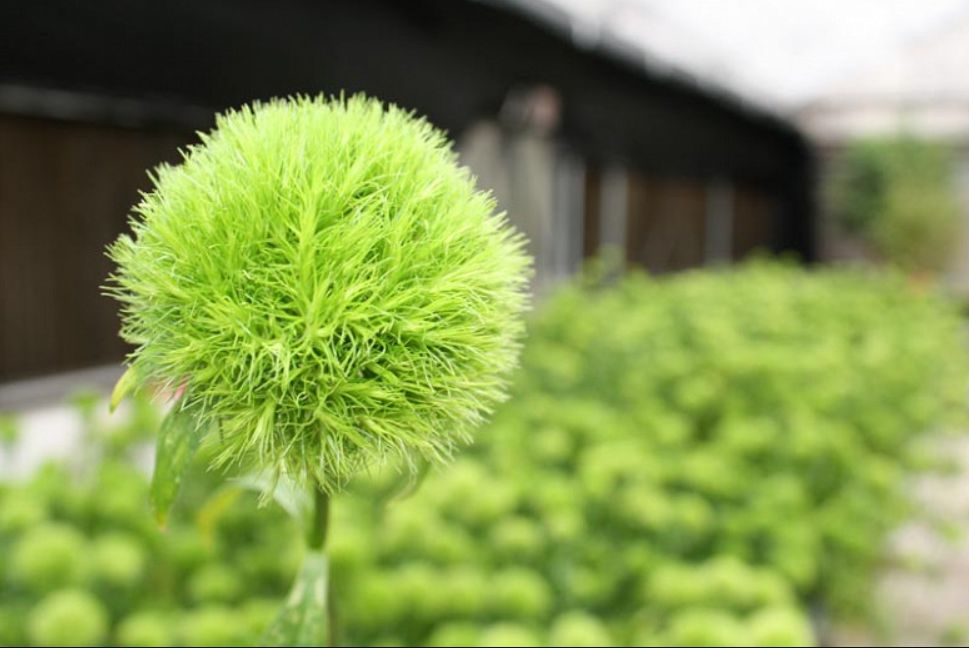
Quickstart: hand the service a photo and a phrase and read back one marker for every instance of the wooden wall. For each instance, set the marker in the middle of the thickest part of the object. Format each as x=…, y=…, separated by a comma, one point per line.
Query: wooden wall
x=666, y=221
x=65, y=192
x=665, y=229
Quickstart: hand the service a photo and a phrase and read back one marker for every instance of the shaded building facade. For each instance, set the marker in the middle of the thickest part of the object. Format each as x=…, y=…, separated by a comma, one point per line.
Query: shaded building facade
x=585, y=144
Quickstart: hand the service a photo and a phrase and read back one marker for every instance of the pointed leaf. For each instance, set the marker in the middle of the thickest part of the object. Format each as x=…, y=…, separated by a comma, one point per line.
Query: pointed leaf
x=213, y=510
x=177, y=442
x=407, y=484
x=304, y=618
x=125, y=385
x=284, y=490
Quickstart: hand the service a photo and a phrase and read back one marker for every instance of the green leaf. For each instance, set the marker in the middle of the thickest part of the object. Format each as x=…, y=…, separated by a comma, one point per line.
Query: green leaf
x=407, y=484
x=178, y=440
x=125, y=385
x=286, y=492
x=215, y=508
x=303, y=620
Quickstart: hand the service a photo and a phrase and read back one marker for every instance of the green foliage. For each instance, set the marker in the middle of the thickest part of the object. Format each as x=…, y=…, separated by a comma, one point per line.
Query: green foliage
x=178, y=439
x=327, y=284
x=898, y=194
x=207, y=580
x=303, y=620
x=689, y=461
x=215, y=583
x=145, y=629
x=69, y=537
x=47, y=557
x=19, y=512
x=68, y=618
x=213, y=625
x=578, y=629
x=118, y=560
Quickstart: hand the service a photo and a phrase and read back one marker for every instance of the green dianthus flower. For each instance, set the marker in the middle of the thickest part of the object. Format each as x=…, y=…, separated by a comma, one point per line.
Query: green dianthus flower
x=328, y=286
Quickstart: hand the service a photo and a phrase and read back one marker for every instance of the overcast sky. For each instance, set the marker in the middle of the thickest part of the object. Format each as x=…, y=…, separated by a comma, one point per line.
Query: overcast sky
x=783, y=51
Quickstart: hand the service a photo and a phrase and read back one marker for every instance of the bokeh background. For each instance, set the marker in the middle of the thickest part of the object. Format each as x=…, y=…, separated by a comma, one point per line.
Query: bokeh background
x=786, y=183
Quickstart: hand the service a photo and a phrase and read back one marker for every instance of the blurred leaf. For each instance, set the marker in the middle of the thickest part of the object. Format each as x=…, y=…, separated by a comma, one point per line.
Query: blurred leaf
x=303, y=620
x=178, y=440
x=406, y=484
x=282, y=490
x=208, y=516
x=126, y=383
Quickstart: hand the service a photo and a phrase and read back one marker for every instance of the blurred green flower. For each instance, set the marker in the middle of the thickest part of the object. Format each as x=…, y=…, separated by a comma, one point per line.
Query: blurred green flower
x=780, y=626
x=578, y=629
x=145, y=628
x=13, y=624
x=705, y=627
x=455, y=634
x=68, y=618
x=118, y=559
x=508, y=634
x=20, y=511
x=213, y=625
x=49, y=556
x=518, y=592
x=215, y=583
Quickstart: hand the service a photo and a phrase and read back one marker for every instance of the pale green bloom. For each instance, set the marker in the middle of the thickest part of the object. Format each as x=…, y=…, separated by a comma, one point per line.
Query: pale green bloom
x=328, y=283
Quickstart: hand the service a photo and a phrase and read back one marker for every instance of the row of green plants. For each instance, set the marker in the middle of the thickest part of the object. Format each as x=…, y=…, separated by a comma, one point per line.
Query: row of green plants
x=898, y=195
x=712, y=459
x=83, y=562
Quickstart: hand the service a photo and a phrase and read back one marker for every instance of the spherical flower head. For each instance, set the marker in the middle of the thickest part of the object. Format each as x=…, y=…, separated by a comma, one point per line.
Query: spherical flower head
x=327, y=285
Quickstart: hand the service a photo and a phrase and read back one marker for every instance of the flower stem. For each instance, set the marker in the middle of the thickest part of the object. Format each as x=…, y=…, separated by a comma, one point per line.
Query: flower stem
x=316, y=541
x=319, y=525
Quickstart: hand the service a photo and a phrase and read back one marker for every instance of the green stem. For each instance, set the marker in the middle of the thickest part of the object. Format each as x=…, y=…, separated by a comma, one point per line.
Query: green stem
x=320, y=524
x=316, y=540
x=306, y=618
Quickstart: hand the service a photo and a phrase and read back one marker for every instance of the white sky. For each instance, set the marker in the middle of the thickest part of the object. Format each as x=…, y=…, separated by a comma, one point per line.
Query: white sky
x=780, y=51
